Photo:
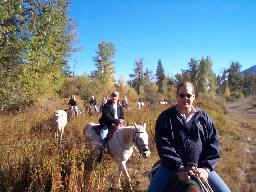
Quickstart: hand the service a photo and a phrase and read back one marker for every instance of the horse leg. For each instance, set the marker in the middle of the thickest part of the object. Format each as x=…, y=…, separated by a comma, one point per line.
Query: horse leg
x=57, y=136
x=61, y=134
x=123, y=169
x=119, y=177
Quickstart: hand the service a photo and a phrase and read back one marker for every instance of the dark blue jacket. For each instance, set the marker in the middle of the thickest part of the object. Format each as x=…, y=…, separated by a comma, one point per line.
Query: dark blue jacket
x=179, y=145
x=107, y=117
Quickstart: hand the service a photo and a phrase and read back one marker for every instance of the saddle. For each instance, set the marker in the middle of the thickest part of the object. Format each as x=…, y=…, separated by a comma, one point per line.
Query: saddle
x=110, y=132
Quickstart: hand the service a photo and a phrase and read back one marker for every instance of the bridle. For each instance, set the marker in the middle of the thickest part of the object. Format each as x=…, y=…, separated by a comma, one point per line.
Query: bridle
x=142, y=147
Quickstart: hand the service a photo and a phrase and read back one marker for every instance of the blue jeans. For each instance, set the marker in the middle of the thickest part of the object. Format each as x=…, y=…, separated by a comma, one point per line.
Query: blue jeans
x=161, y=180
x=217, y=184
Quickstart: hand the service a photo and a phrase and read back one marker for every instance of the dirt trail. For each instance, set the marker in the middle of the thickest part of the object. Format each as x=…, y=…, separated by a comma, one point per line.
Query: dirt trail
x=244, y=111
x=245, y=108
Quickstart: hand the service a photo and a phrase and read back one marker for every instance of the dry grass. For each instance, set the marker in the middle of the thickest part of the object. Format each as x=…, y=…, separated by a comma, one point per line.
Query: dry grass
x=31, y=161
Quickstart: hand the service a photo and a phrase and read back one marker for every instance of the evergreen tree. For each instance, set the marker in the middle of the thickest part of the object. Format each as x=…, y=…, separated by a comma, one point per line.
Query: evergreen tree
x=184, y=76
x=193, y=71
x=234, y=77
x=160, y=76
x=249, y=84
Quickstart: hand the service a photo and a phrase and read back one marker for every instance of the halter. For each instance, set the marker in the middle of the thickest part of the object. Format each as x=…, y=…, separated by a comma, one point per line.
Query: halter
x=135, y=140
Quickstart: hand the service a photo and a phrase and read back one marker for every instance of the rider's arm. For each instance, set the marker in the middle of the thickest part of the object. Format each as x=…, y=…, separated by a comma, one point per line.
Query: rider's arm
x=164, y=142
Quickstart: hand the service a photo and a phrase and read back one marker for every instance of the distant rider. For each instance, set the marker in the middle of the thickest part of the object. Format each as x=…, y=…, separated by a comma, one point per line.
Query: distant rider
x=93, y=104
x=72, y=103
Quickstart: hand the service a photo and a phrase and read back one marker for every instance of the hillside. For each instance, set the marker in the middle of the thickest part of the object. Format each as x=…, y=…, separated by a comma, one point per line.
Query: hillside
x=249, y=70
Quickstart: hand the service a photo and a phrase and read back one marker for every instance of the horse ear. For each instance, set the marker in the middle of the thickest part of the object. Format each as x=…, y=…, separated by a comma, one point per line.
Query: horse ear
x=144, y=125
x=135, y=124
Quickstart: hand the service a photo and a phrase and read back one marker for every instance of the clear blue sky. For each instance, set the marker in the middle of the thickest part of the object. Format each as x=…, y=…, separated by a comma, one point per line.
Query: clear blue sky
x=171, y=30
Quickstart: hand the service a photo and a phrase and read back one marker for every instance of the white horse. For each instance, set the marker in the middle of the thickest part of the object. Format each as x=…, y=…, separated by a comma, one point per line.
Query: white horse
x=120, y=145
x=60, y=120
x=163, y=103
x=140, y=104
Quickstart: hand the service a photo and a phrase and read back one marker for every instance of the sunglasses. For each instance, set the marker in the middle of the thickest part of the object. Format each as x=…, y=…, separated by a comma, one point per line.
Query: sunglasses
x=182, y=95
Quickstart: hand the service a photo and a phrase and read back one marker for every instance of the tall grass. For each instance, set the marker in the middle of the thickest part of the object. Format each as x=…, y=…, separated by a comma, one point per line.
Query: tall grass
x=32, y=161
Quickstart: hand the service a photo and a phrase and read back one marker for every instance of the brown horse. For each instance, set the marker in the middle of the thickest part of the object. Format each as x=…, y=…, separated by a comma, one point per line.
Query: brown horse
x=91, y=110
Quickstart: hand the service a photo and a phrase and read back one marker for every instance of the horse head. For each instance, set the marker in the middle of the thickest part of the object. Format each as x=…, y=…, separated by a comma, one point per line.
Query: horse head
x=140, y=138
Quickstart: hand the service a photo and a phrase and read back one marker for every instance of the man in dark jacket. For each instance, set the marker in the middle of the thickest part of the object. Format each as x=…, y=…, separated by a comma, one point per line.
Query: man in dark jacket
x=187, y=142
x=112, y=114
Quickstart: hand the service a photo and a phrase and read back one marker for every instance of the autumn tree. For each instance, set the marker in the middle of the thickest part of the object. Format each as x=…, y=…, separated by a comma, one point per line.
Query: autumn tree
x=206, y=81
x=123, y=85
x=138, y=75
x=36, y=40
x=104, y=72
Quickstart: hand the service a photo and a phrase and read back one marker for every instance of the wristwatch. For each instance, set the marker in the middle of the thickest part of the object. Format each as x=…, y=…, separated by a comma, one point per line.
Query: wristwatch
x=207, y=169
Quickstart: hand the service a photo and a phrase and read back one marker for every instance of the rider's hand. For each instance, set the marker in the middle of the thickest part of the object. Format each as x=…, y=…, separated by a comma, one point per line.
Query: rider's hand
x=182, y=174
x=121, y=122
x=203, y=173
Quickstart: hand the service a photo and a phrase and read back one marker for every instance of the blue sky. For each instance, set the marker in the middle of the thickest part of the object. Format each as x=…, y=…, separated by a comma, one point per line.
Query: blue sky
x=171, y=30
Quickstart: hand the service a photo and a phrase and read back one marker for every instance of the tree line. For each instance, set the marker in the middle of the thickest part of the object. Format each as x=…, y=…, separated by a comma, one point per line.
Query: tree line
x=37, y=38
x=157, y=86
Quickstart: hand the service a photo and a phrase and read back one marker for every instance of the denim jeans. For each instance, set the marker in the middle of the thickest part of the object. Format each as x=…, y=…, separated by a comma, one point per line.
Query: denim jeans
x=162, y=177
x=217, y=184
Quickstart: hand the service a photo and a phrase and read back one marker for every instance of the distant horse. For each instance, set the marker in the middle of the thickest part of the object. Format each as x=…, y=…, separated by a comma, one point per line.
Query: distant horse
x=140, y=104
x=73, y=112
x=120, y=145
x=163, y=102
x=91, y=109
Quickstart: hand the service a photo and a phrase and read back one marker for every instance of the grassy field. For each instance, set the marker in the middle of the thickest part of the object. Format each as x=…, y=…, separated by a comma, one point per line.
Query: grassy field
x=31, y=160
